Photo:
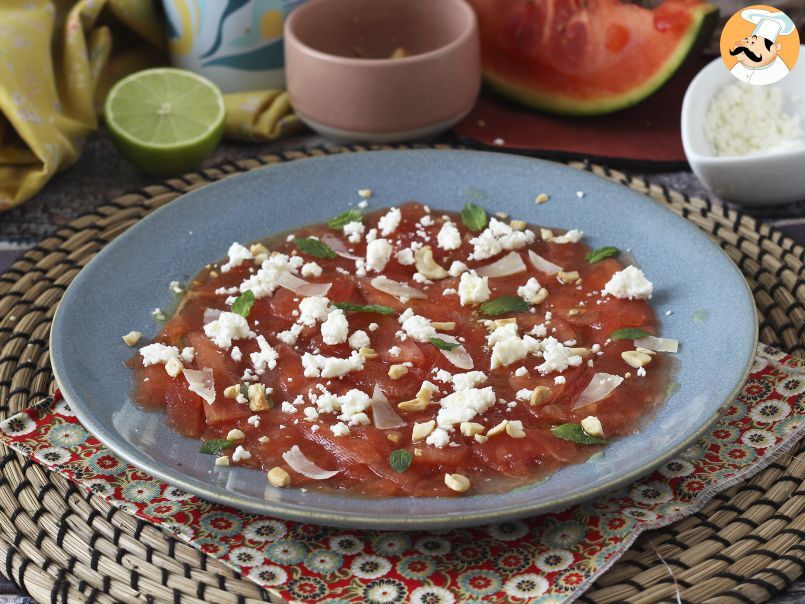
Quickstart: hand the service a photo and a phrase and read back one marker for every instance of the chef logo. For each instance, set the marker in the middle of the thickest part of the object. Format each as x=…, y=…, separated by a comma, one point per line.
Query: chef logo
x=760, y=45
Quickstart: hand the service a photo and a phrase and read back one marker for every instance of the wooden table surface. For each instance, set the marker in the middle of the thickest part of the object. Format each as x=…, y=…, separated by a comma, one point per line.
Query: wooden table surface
x=102, y=174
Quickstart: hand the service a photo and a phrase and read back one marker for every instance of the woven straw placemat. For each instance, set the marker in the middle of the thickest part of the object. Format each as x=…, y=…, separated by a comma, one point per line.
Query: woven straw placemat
x=60, y=544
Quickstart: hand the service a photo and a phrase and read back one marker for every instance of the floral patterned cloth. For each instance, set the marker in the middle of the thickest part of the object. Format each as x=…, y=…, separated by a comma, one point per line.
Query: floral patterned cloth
x=549, y=558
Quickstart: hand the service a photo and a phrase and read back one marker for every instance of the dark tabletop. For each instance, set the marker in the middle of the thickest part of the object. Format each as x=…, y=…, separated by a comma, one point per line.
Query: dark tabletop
x=102, y=174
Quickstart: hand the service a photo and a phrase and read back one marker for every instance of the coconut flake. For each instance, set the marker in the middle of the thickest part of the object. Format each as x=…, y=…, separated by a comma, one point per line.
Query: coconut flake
x=542, y=265
x=397, y=289
x=339, y=247
x=302, y=287
x=511, y=264
x=657, y=344
x=459, y=355
x=599, y=387
x=383, y=413
x=301, y=464
x=202, y=383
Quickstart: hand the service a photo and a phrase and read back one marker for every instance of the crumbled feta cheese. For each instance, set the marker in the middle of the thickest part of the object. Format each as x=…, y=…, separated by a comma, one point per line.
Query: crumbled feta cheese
x=530, y=290
x=313, y=309
x=290, y=336
x=641, y=372
x=287, y=407
x=359, y=339
x=557, y=357
x=465, y=381
x=473, y=289
x=389, y=222
x=521, y=371
x=188, y=354
x=227, y=327
x=363, y=204
x=426, y=221
x=241, y=454
x=524, y=394
x=311, y=269
x=310, y=413
x=406, y=256
x=175, y=287
x=539, y=330
x=373, y=327
x=254, y=420
x=629, y=283
x=353, y=230
x=559, y=379
x=443, y=375
x=572, y=236
x=464, y=405
x=237, y=255
x=265, y=357
x=419, y=328
x=264, y=282
x=336, y=328
x=339, y=429
x=508, y=347
x=317, y=365
x=449, y=237
x=371, y=235
x=378, y=253
x=154, y=354
x=395, y=351
x=359, y=419
x=499, y=236
x=457, y=268
x=354, y=401
x=439, y=438
x=236, y=354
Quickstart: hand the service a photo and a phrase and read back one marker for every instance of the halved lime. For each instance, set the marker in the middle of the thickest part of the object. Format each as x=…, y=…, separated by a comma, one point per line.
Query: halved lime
x=165, y=121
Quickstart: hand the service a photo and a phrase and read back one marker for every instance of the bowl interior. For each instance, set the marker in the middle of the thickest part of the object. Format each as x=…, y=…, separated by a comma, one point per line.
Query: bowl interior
x=374, y=29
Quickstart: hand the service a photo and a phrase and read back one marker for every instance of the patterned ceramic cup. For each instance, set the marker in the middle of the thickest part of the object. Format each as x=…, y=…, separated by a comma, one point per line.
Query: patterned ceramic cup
x=235, y=43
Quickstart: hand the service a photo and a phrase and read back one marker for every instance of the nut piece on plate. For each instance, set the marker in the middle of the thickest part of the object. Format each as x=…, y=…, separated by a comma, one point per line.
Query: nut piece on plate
x=397, y=371
x=422, y=430
x=457, y=482
x=174, y=367
x=592, y=426
x=426, y=265
x=258, y=401
x=539, y=395
x=132, y=338
x=235, y=434
x=278, y=477
x=636, y=359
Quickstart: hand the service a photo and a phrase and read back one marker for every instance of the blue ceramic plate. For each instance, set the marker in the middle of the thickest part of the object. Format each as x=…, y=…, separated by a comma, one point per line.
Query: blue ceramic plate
x=713, y=316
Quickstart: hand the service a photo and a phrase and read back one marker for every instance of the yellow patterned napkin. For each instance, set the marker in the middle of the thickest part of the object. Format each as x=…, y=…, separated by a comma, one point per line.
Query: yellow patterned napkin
x=58, y=58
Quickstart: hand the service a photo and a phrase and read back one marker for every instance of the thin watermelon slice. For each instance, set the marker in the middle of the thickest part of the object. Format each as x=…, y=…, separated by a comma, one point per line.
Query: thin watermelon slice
x=586, y=57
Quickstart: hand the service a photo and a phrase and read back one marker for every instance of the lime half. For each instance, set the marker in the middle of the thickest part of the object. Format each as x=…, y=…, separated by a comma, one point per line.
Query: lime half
x=165, y=121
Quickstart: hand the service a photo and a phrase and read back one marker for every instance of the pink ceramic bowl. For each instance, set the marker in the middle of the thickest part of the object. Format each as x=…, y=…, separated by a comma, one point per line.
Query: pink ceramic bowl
x=344, y=83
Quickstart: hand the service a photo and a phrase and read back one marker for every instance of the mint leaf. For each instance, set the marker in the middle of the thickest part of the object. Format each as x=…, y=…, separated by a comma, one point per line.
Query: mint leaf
x=342, y=220
x=474, y=217
x=375, y=308
x=503, y=305
x=442, y=345
x=314, y=247
x=214, y=447
x=628, y=333
x=243, y=304
x=602, y=253
x=575, y=433
x=400, y=460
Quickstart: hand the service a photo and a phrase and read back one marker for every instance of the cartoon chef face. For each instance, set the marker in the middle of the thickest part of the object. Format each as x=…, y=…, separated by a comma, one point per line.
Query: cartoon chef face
x=755, y=51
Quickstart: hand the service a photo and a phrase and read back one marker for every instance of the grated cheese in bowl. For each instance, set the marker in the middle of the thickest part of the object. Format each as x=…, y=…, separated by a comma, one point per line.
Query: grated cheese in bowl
x=746, y=120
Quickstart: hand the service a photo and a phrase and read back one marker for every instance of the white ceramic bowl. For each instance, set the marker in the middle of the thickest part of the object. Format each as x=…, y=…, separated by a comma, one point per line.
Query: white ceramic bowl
x=761, y=179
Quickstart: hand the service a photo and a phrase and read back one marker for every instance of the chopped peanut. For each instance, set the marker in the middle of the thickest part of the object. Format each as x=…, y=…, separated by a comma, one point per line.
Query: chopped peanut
x=539, y=395
x=457, y=482
x=367, y=353
x=567, y=276
x=481, y=438
x=471, y=428
x=515, y=429
x=592, y=426
x=393, y=437
x=258, y=401
x=397, y=371
x=417, y=452
x=222, y=461
x=443, y=325
x=232, y=391
x=499, y=429
x=636, y=359
x=546, y=234
x=541, y=198
x=416, y=404
x=235, y=434
x=426, y=265
x=263, y=439
x=174, y=367
x=518, y=225
x=278, y=477
x=132, y=338
x=422, y=430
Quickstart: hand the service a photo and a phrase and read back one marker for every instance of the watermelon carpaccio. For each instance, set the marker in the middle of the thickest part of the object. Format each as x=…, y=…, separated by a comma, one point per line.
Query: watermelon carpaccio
x=499, y=357
x=586, y=56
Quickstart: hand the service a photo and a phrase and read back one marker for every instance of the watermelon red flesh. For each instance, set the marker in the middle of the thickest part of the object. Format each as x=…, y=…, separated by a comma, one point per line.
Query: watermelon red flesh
x=585, y=56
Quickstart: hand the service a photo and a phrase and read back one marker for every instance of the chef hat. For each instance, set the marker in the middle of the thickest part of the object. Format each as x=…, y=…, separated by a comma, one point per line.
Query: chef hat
x=768, y=25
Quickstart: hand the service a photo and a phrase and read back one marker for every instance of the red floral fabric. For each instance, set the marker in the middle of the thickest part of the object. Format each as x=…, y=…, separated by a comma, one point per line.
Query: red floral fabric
x=549, y=558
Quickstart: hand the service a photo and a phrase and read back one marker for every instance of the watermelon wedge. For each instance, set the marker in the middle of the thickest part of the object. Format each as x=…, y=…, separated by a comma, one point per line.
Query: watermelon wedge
x=586, y=57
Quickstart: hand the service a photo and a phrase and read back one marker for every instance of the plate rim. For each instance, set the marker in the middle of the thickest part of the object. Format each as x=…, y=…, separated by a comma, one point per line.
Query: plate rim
x=354, y=520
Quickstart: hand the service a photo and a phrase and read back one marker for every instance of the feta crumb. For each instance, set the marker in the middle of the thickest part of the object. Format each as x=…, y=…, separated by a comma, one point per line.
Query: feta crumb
x=579, y=194
x=265, y=357
x=156, y=353
x=359, y=419
x=241, y=454
x=353, y=230
x=449, y=237
x=530, y=290
x=311, y=269
x=473, y=289
x=521, y=371
x=264, y=282
x=290, y=336
x=339, y=429
x=336, y=328
x=559, y=379
x=373, y=327
x=465, y=381
x=439, y=438
x=557, y=357
x=395, y=351
x=365, y=193
x=188, y=354
x=287, y=407
x=236, y=354
x=363, y=204
x=630, y=283
x=310, y=413
x=313, y=309
x=389, y=222
x=641, y=371
x=572, y=236
x=524, y=394
x=419, y=328
x=378, y=253
x=316, y=365
x=499, y=236
x=237, y=255
x=405, y=256
x=254, y=420
x=464, y=405
x=359, y=339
